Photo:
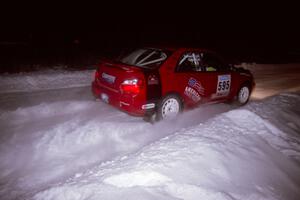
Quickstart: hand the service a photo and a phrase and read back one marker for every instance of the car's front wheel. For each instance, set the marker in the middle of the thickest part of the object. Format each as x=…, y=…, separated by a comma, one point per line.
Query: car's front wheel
x=243, y=95
x=169, y=107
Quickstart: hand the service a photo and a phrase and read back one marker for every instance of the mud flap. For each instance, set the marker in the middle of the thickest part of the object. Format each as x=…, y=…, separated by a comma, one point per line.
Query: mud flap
x=151, y=118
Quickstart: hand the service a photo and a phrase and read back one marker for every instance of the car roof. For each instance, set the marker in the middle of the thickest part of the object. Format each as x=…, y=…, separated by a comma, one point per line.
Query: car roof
x=181, y=49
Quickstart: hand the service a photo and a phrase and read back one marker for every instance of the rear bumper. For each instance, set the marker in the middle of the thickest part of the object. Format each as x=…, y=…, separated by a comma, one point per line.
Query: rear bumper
x=131, y=105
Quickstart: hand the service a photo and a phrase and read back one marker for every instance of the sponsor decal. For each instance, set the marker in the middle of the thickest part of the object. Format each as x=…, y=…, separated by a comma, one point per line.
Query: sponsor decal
x=196, y=85
x=148, y=106
x=192, y=93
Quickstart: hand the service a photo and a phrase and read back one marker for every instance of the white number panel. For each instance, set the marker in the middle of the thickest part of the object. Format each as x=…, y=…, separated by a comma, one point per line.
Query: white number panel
x=223, y=86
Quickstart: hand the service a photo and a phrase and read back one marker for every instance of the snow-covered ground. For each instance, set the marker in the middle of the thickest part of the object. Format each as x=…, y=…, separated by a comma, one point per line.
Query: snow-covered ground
x=274, y=79
x=44, y=80
x=57, y=143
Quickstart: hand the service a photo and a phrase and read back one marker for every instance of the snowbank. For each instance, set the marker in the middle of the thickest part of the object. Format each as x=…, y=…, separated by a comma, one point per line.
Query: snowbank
x=274, y=79
x=57, y=143
x=236, y=155
x=44, y=80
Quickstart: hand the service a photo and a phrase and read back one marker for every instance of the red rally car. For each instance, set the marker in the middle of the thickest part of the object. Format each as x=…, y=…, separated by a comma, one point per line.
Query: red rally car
x=157, y=83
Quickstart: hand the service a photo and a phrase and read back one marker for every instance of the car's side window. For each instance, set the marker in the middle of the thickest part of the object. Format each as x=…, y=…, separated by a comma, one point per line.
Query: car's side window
x=189, y=62
x=211, y=63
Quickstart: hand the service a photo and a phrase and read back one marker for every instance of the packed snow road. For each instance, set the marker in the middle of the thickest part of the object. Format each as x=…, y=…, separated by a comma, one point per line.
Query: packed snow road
x=57, y=143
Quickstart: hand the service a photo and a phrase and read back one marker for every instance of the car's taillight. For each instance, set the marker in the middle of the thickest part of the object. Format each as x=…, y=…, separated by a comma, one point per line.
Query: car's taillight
x=131, y=86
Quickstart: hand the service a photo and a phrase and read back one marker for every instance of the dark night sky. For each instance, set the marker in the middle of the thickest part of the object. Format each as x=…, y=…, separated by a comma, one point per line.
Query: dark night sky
x=232, y=26
x=245, y=21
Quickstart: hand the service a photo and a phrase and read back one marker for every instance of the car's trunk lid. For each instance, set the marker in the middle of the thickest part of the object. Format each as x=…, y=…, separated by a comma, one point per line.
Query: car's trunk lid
x=111, y=75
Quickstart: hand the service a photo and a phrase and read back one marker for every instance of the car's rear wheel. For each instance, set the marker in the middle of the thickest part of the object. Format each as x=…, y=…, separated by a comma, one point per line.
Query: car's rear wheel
x=243, y=95
x=169, y=107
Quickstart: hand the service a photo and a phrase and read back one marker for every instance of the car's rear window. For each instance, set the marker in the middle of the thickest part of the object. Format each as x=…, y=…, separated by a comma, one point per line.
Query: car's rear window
x=146, y=57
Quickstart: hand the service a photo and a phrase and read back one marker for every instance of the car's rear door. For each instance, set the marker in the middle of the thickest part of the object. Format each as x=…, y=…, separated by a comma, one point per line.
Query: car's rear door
x=191, y=80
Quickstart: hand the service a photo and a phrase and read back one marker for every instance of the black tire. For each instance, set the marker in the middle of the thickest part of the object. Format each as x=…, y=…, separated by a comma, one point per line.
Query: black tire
x=243, y=94
x=169, y=107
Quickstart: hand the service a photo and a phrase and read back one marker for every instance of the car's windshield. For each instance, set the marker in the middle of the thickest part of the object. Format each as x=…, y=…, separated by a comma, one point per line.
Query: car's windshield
x=146, y=57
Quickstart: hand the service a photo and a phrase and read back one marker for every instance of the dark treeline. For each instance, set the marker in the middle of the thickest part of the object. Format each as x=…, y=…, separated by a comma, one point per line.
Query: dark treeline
x=80, y=51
